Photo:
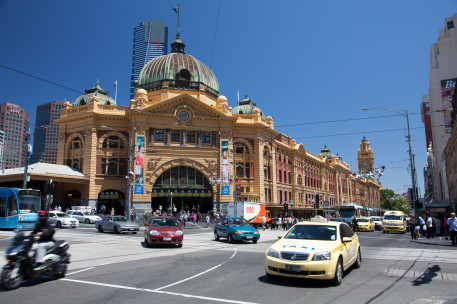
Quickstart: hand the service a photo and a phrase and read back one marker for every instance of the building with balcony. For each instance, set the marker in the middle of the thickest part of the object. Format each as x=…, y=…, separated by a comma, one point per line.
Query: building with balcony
x=180, y=142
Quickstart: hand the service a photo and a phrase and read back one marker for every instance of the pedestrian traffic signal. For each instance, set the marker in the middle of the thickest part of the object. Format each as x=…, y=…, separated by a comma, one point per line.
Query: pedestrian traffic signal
x=286, y=207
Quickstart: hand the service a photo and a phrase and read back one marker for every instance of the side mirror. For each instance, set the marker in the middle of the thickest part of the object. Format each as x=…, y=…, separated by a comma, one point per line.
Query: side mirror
x=347, y=240
x=146, y=224
x=280, y=236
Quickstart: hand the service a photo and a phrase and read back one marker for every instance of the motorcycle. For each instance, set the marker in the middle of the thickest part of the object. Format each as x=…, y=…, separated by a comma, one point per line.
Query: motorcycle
x=21, y=261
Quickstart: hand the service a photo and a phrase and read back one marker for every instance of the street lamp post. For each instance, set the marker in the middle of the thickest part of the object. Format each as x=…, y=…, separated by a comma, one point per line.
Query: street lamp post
x=411, y=158
x=130, y=173
x=27, y=156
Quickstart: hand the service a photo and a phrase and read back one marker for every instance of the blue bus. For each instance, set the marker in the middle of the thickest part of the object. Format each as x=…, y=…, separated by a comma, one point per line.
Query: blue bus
x=19, y=208
x=348, y=210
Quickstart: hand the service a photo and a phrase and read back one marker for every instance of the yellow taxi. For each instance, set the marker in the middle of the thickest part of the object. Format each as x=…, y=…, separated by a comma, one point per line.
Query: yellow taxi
x=318, y=249
x=365, y=224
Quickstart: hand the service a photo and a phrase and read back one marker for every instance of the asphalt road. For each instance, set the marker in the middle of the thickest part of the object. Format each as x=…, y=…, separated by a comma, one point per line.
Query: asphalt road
x=111, y=268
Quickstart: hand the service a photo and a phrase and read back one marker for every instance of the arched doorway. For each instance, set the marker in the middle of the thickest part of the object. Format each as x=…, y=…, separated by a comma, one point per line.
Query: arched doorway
x=191, y=190
x=109, y=199
x=73, y=199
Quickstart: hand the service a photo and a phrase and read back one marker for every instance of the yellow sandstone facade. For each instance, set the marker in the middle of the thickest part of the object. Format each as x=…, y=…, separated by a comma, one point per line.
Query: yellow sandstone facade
x=183, y=123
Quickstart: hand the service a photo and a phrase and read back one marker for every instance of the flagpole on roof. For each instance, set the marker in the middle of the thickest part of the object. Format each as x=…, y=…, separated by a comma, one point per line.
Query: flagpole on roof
x=115, y=94
x=238, y=95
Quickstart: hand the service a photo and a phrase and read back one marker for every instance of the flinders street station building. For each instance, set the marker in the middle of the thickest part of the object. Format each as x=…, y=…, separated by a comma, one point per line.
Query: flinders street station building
x=180, y=142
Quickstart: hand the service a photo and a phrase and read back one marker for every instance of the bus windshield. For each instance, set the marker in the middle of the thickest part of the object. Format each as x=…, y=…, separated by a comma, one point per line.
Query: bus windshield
x=28, y=202
x=347, y=213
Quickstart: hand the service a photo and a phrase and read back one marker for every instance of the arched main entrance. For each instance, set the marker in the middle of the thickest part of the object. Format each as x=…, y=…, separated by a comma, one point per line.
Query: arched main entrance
x=191, y=190
x=109, y=199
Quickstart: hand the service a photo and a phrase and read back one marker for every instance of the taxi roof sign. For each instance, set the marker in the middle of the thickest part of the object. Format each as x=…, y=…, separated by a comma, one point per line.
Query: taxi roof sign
x=318, y=218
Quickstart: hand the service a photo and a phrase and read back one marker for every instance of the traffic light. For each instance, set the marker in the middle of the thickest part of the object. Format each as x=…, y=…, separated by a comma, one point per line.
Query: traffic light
x=316, y=201
x=286, y=207
x=417, y=204
x=50, y=188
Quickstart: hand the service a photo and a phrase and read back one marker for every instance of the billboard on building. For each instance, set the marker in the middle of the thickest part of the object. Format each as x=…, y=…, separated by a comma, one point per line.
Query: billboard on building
x=447, y=93
x=225, y=168
x=139, y=165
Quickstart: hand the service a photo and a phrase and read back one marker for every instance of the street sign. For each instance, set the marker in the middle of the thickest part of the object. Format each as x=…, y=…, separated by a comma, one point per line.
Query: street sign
x=291, y=202
x=326, y=204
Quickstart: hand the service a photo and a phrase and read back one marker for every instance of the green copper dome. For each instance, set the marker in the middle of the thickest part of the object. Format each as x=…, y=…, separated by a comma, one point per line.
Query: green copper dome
x=96, y=91
x=179, y=70
x=246, y=106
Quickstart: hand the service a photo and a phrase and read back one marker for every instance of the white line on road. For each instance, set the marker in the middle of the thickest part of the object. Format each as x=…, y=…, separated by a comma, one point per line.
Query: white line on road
x=157, y=291
x=80, y=270
x=199, y=274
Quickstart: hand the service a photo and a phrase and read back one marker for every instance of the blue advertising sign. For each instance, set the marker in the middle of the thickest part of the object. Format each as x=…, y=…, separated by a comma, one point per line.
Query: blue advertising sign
x=139, y=165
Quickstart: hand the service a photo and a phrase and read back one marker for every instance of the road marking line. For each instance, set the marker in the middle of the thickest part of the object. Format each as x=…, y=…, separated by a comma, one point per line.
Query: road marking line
x=80, y=270
x=199, y=274
x=157, y=291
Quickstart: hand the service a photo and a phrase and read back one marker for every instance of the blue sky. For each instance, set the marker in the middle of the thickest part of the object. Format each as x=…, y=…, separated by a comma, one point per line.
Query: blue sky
x=314, y=63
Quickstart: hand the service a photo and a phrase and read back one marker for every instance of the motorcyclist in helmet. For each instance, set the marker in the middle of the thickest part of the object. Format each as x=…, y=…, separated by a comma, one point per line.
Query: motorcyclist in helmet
x=45, y=232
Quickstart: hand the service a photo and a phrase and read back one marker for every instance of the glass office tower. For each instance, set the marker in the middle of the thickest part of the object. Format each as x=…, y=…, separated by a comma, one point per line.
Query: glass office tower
x=150, y=40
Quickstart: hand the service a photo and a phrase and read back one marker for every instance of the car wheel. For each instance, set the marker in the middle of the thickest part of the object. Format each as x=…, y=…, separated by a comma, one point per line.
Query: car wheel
x=254, y=241
x=87, y=221
x=134, y=232
x=115, y=229
x=179, y=245
x=271, y=276
x=338, y=274
x=230, y=239
x=358, y=261
x=216, y=236
x=58, y=225
x=146, y=242
x=99, y=228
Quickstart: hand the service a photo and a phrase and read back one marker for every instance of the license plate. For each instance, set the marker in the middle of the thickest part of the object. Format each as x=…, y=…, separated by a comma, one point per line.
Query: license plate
x=294, y=268
x=249, y=237
x=131, y=229
x=167, y=238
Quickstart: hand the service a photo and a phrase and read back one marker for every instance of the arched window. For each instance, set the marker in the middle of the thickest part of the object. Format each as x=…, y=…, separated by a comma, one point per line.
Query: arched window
x=113, y=142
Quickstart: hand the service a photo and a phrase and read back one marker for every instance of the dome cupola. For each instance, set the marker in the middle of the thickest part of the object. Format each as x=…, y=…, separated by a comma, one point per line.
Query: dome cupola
x=180, y=71
x=96, y=91
x=246, y=106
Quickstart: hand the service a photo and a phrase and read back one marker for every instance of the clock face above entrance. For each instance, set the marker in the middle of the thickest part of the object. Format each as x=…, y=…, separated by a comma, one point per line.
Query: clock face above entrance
x=184, y=115
x=364, y=164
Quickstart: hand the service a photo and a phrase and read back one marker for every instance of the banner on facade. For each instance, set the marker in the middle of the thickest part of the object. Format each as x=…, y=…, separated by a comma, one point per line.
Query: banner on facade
x=225, y=168
x=139, y=165
x=447, y=93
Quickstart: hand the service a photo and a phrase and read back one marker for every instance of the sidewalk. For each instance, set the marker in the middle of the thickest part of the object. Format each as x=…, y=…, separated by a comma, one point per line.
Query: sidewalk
x=437, y=240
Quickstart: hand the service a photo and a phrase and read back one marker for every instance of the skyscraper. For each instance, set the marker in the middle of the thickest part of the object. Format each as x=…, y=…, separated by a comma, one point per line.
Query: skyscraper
x=14, y=122
x=150, y=40
x=45, y=139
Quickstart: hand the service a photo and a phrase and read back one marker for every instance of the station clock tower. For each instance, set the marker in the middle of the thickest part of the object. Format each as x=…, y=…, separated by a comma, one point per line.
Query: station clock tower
x=365, y=157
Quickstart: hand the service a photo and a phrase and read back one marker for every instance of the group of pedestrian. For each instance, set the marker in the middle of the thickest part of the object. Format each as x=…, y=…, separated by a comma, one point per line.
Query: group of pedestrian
x=432, y=226
x=281, y=222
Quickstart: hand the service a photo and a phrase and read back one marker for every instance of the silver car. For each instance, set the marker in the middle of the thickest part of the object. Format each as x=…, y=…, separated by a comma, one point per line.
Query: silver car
x=116, y=224
x=60, y=219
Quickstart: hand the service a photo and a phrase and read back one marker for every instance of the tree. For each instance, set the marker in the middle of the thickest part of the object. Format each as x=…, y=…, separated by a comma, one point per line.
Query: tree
x=393, y=201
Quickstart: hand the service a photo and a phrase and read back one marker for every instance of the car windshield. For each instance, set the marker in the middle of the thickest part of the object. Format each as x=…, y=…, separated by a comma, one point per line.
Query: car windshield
x=376, y=218
x=363, y=220
x=238, y=222
x=312, y=232
x=164, y=222
x=119, y=219
x=87, y=213
x=62, y=215
x=393, y=217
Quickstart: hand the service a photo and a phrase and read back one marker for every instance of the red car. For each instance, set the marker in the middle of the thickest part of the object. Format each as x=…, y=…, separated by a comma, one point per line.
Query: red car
x=163, y=230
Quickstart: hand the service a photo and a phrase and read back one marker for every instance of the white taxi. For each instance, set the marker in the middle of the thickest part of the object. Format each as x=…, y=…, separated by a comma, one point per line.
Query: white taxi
x=318, y=249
